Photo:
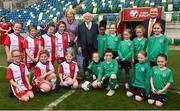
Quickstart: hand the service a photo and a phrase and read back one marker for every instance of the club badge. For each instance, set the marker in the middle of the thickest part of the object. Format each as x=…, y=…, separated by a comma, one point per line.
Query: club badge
x=98, y=68
x=111, y=66
x=129, y=44
x=116, y=39
x=160, y=41
x=164, y=75
x=142, y=69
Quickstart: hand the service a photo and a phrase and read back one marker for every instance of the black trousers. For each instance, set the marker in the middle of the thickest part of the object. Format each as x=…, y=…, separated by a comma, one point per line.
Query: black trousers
x=87, y=54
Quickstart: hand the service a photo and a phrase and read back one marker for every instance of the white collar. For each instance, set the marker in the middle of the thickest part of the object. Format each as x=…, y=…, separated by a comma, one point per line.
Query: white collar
x=113, y=34
x=126, y=40
x=152, y=19
x=158, y=35
x=139, y=38
x=163, y=68
x=90, y=24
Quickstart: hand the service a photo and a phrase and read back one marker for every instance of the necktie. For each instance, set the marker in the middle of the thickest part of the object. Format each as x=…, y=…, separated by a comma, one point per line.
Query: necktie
x=150, y=28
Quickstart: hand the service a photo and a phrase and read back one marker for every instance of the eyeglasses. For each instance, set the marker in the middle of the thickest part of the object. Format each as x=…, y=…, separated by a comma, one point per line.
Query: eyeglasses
x=17, y=56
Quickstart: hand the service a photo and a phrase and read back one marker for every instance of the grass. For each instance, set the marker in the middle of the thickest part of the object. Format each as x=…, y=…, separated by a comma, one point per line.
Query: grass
x=94, y=99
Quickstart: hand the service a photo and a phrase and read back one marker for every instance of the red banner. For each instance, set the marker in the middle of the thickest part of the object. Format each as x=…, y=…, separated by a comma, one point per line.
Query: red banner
x=137, y=14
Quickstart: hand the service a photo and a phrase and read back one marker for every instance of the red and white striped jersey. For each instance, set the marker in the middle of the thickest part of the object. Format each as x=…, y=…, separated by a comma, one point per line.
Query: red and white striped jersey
x=18, y=74
x=14, y=42
x=41, y=69
x=62, y=43
x=68, y=69
x=33, y=45
x=48, y=43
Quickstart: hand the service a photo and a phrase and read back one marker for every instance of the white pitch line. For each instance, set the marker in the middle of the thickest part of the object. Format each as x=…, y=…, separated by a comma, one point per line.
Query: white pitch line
x=175, y=91
x=3, y=67
x=59, y=100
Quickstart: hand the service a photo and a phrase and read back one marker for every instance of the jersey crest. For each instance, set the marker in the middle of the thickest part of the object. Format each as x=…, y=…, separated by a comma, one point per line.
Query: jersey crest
x=164, y=75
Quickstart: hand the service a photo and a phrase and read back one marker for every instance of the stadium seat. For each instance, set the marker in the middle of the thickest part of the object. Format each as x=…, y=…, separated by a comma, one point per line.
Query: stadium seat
x=51, y=9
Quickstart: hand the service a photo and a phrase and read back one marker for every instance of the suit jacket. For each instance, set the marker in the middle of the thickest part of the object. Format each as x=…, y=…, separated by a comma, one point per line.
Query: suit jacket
x=146, y=25
x=87, y=37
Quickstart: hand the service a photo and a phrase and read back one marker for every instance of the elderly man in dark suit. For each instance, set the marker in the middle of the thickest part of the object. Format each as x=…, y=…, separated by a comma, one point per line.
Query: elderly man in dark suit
x=148, y=24
x=87, y=38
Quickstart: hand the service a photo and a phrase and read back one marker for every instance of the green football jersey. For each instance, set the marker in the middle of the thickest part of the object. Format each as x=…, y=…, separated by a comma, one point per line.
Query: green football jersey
x=113, y=42
x=95, y=68
x=156, y=46
x=161, y=78
x=109, y=68
x=139, y=45
x=141, y=76
x=102, y=39
x=125, y=50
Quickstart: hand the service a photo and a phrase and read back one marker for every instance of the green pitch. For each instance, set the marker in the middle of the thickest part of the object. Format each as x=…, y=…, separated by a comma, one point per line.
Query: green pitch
x=94, y=99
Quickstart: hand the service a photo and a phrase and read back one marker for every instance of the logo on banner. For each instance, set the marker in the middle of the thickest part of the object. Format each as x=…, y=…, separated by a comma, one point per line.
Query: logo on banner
x=134, y=13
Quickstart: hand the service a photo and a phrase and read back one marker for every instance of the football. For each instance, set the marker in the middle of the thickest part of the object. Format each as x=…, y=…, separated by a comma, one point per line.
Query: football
x=86, y=86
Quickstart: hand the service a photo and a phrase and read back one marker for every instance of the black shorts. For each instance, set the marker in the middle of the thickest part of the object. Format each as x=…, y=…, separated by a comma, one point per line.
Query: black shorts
x=115, y=54
x=106, y=81
x=156, y=97
x=101, y=59
x=125, y=65
x=137, y=91
x=91, y=76
x=152, y=63
x=135, y=62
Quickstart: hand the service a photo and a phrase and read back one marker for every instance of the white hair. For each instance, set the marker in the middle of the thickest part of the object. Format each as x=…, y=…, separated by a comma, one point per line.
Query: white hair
x=87, y=13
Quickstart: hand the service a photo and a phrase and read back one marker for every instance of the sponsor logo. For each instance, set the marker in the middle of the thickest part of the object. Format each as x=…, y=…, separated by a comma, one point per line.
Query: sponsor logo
x=134, y=13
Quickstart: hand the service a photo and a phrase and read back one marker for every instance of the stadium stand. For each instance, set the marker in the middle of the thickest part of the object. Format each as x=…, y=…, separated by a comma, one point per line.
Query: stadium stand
x=47, y=10
x=3, y=12
x=52, y=10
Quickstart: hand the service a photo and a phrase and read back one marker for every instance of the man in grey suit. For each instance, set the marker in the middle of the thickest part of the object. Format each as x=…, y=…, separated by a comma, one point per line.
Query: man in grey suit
x=87, y=38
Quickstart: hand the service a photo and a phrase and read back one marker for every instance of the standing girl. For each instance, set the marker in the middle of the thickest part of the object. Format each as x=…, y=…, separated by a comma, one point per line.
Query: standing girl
x=48, y=42
x=62, y=42
x=102, y=39
x=157, y=44
x=5, y=28
x=113, y=39
x=14, y=41
x=32, y=47
x=125, y=51
x=140, y=42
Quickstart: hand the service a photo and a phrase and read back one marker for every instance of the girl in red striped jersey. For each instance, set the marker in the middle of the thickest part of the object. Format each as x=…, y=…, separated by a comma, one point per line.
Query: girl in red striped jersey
x=68, y=71
x=44, y=75
x=14, y=41
x=62, y=42
x=48, y=42
x=32, y=47
x=17, y=74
